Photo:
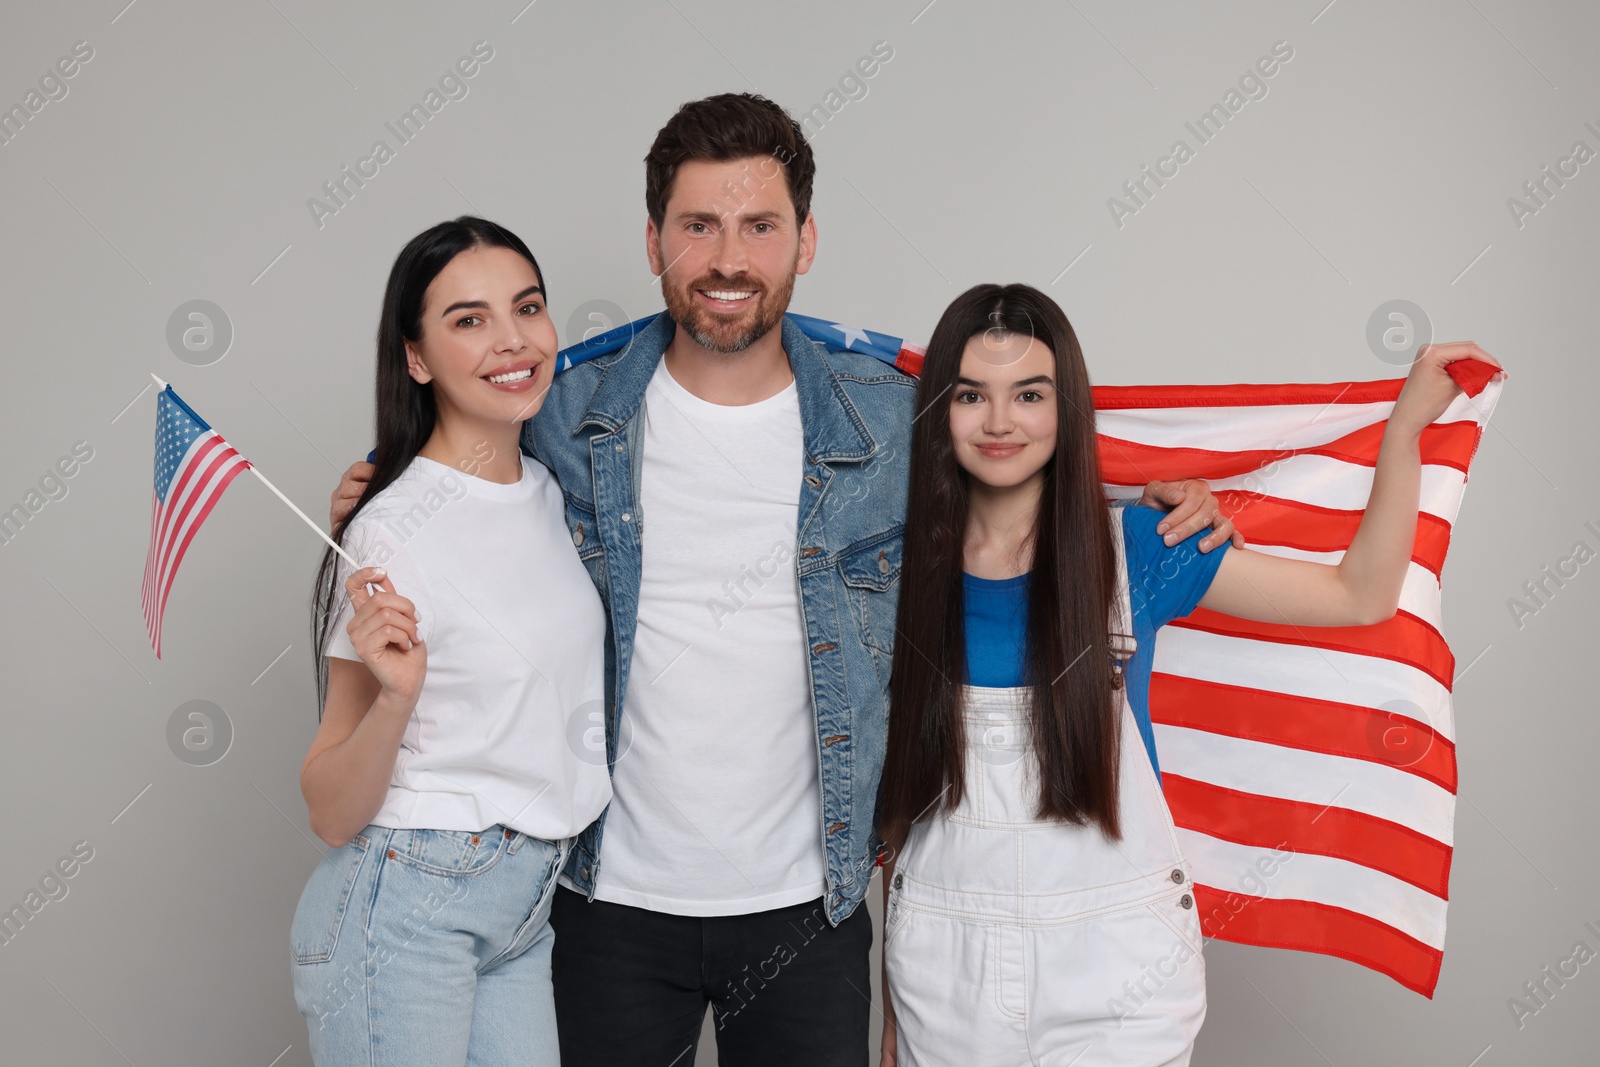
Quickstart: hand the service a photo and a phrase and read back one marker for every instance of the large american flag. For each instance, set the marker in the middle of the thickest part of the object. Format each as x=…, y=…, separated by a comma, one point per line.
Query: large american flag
x=193, y=467
x=1311, y=770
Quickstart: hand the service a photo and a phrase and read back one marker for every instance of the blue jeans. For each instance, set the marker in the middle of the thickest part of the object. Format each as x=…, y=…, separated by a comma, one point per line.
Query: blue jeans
x=429, y=947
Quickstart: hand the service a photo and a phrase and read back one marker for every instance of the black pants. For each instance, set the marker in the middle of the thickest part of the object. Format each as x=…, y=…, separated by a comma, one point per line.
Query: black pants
x=785, y=987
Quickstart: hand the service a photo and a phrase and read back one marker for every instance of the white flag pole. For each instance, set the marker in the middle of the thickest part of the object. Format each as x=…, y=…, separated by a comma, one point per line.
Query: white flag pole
x=253, y=470
x=354, y=565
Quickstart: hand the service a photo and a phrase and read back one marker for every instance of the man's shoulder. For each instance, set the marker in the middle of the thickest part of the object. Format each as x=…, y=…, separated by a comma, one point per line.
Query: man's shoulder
x=554, y=425
x=884, y=395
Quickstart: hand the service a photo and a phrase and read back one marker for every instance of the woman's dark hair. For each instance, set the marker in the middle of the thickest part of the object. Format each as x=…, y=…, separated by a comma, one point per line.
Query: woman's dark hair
x=725, y=127
x=1074, y=721
x=404, y=413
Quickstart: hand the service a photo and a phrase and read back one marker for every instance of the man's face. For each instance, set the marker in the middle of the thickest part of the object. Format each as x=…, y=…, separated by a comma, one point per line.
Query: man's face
x=728, y=250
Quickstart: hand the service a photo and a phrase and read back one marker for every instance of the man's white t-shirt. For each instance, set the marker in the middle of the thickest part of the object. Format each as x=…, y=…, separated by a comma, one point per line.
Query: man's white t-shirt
x=515, y=638
x=717, y=807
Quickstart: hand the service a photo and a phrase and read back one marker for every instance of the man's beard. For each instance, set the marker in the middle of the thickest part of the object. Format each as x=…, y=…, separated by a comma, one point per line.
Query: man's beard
x=725, y=333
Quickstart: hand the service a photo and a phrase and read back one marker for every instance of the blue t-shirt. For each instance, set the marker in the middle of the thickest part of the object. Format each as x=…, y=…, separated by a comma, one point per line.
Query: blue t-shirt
x=1164, y=583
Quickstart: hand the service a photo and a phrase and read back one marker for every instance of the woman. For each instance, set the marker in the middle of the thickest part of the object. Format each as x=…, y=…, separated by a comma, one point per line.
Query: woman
x=1038, y=909
x=441, y=776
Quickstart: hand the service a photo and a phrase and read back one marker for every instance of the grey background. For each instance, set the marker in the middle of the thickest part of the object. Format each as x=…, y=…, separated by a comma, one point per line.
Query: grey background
x=178, y=168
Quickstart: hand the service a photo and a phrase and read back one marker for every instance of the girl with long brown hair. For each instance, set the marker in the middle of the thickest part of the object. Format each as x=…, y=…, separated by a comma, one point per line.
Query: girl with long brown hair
x=1038, y=908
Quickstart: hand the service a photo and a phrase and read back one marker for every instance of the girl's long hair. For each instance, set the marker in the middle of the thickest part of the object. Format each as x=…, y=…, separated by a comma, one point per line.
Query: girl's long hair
x=1075, y=723
x=404, y=413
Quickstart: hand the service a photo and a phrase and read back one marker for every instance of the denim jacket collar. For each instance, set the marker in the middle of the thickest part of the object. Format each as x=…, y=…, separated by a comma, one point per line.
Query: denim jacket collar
x=834, y=430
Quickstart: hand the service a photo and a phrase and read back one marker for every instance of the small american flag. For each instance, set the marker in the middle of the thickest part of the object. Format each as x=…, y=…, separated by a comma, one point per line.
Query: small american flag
x=193, y=467
x=1311, y=771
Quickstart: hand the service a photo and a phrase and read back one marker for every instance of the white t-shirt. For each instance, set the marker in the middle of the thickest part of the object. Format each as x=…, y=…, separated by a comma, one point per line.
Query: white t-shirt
x=515, y=636
x=717, y=807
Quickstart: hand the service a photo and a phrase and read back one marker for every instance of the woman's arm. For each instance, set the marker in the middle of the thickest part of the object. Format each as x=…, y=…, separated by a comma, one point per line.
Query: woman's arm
x=1364, y=587
x=346, y=774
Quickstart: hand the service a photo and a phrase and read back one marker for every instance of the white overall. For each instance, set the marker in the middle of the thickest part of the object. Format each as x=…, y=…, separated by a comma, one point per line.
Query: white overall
x=1012, y=940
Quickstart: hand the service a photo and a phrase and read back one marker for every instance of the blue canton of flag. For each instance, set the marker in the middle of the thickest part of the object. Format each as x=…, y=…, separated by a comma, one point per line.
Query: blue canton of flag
x=837, y=336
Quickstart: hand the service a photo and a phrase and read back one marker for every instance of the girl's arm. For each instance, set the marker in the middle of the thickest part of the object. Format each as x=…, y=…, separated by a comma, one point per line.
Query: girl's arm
x=346, y=774
x=1363, y=588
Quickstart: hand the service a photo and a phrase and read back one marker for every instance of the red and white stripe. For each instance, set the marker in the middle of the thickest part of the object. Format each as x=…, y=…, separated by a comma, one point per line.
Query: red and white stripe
x=202, y=476
x=1311, y=770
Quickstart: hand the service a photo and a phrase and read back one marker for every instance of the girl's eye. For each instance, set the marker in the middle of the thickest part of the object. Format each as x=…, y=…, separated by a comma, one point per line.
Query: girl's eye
x=967, y=397
x=1031, y=395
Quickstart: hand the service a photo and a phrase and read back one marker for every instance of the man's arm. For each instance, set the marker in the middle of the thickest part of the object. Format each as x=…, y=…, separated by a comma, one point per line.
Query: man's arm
x=348, y=491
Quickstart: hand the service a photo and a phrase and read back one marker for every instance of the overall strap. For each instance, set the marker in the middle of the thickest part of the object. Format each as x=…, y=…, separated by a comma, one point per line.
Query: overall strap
x=1120, y=624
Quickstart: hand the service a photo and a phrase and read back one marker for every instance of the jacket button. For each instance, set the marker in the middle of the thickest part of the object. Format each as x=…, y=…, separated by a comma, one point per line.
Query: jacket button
x=899, y=880
x=577, y=536
x=619, y=448
x=883, y=564
x=1186, y=901
x=1177, y=876
x=627, y=516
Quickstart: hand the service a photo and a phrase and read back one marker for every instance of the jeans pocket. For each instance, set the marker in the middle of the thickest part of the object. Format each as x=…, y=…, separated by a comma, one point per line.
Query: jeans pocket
x=449, y=853
x=314, y=933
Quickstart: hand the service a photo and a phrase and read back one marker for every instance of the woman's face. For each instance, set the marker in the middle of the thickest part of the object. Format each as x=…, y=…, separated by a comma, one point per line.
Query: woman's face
x=1003, y=408
x=487, y=345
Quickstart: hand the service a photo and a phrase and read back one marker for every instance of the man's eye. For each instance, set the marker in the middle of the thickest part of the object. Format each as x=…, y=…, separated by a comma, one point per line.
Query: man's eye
x=763, y=227
x=697, y=227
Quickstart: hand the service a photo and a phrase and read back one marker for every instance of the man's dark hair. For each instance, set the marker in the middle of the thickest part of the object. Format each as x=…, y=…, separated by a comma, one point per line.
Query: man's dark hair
x=726, y=127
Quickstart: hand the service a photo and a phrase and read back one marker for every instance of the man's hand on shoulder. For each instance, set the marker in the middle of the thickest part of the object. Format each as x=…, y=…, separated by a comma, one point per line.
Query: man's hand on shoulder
x=351, y=486
x=1191, y=507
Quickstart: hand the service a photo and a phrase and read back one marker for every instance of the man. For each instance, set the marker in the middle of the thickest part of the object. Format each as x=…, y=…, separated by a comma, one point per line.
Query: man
x=750, y=635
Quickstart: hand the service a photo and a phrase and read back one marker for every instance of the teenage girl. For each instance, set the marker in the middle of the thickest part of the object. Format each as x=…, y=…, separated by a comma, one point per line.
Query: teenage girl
x=1036, y=884
x=442, y=777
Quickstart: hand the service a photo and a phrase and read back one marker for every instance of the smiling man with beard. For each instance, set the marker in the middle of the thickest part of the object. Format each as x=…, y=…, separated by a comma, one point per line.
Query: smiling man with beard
x=745, y=747
x=740, y=838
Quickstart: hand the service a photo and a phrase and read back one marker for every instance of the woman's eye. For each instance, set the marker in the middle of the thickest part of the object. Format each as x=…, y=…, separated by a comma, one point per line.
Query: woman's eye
x=467, y=320
x=530, y=304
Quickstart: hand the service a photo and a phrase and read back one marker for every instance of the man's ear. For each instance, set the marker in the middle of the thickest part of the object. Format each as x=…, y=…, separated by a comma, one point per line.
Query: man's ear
x=419, y=370
x=808, y=244
x=652, y=248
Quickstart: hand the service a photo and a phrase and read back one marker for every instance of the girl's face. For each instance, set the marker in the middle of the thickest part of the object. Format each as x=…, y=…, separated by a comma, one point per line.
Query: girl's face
x=1003, y=408
x=487, y=345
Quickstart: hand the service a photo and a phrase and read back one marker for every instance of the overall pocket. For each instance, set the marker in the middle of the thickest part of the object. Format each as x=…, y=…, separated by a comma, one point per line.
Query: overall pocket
x=318, y=917
x=1181, y=915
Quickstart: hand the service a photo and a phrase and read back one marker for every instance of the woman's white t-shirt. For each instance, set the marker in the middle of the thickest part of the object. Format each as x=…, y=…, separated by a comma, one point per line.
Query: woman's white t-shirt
x=515, y=634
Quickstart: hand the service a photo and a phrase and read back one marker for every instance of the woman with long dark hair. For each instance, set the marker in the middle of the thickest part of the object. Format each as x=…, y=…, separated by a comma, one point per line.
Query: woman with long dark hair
x=1037, y=906
x=441, y=776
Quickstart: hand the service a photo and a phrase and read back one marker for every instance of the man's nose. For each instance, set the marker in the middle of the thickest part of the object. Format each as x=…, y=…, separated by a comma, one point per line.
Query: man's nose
x=731, y=257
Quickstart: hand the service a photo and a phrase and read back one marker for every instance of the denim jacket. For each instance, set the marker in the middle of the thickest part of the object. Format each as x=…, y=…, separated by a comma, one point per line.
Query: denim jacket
x=856, y=414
